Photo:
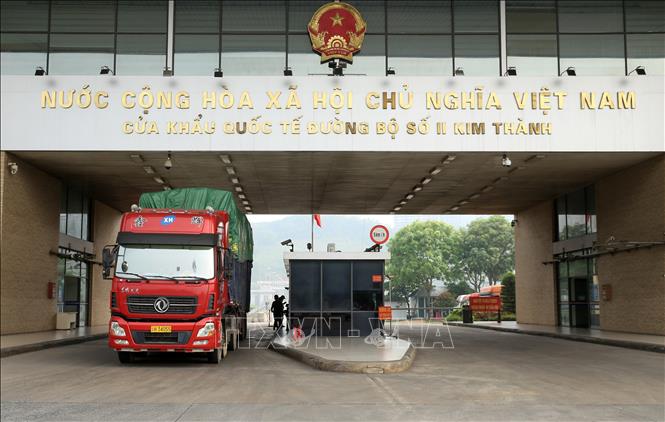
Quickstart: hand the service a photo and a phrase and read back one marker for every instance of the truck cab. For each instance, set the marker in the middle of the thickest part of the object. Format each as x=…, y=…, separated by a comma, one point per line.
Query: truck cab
x=173, y=284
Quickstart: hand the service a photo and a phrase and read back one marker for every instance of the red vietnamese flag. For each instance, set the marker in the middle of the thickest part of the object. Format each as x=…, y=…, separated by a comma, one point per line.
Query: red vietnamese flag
x=317, y=218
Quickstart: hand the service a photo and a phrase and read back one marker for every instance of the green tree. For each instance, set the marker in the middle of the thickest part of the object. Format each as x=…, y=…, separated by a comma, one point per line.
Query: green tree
x=486, y=251
x=421, y=252
x=445, y=300
x=401, y=291
x=508, y=292
x=457, y=287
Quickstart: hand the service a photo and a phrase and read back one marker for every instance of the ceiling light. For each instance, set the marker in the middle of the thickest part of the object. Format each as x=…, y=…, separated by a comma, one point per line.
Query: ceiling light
x=235, y=180
x=410, y=196
x=417, y=188
x=241, y=196
x=397, y=208
x=434, y=171
x=425, y=180
x=448, y=159
x=158, y=180
x=463, y=202
x=455, y=208
x=168, y=163
x=149, y=169
x=245, y=202
x=248, y=209
x=403, y=202
x=225, y=159
x=231, y=170
x=474, y=196
x=487, y=189
x=137, y=158
x=238, y=188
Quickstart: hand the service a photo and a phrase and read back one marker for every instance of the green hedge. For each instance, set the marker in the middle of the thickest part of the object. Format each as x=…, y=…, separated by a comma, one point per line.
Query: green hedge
x=456, y=315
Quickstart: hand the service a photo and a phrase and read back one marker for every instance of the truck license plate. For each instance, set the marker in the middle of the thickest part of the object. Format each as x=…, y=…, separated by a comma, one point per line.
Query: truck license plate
x=160, y=329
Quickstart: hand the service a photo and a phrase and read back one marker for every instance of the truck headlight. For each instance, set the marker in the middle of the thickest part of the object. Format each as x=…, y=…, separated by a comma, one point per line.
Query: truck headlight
x=207, y=330
x=117, y=330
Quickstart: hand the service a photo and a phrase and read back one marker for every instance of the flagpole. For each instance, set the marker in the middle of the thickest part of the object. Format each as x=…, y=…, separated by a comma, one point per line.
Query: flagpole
x=312, y=232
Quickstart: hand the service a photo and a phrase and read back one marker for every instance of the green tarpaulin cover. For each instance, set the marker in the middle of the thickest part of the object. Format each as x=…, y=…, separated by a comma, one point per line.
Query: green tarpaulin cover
x=240, y=231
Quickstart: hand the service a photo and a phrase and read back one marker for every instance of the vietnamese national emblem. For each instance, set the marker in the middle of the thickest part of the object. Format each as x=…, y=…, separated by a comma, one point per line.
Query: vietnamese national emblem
x=337, y=31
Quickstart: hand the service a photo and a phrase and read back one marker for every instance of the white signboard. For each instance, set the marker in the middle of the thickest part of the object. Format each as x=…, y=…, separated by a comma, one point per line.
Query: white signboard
x=379, y=234
x=319, y=113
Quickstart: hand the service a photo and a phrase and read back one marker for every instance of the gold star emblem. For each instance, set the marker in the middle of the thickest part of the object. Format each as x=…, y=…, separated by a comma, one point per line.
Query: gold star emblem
x=337, y=19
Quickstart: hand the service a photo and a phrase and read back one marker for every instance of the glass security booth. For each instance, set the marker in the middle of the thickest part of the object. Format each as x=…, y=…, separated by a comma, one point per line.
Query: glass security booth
x=335, y=293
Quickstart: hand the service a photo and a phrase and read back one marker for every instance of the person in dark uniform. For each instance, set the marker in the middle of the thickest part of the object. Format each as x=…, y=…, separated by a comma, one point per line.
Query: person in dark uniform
x=277, y=309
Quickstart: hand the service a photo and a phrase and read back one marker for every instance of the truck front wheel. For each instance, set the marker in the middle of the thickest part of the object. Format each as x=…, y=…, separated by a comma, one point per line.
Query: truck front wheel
x=217, y=355
x=126, y=357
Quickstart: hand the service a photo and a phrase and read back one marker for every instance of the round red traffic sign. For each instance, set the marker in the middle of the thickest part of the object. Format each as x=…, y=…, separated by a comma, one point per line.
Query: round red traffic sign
x=379, y=234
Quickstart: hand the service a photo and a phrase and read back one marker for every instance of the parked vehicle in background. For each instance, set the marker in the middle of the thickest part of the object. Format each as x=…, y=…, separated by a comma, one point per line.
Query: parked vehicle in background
x=484, y=291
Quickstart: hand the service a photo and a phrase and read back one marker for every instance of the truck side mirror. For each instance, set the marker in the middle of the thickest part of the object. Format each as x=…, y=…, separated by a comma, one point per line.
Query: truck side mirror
x=109, y=255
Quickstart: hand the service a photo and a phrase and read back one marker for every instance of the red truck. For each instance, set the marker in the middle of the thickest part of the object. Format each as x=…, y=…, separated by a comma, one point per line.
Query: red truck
x=178, y=283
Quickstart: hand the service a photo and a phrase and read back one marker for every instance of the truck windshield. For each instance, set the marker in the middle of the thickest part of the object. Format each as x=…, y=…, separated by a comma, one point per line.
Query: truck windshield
x=165, y=262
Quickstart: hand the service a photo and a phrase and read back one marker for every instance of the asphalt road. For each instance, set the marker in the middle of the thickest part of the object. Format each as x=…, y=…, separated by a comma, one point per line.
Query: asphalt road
x=486, y=376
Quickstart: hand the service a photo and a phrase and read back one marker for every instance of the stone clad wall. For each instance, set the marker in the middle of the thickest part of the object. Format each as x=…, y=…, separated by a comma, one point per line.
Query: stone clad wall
x=30, y=208
x=631, y=207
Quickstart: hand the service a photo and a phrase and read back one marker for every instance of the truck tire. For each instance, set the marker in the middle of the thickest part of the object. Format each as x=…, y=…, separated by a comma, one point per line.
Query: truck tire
x=235, y=342
x=217, y=355
x=126, y=357
x=243, y=329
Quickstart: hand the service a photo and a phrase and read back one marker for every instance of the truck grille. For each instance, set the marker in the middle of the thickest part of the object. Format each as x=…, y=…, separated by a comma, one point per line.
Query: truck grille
x=177, y=305
x=146, y=337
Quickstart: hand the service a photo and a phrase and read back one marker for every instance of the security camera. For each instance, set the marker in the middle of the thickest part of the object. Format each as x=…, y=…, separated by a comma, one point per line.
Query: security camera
x=13, y=168
x=286, y=242
x=168, y=163
x=513, y=223
x=505, y=161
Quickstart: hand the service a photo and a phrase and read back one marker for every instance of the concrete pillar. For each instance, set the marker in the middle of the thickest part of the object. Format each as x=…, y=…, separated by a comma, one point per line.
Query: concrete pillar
x=535, y=287
x=106, y=222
